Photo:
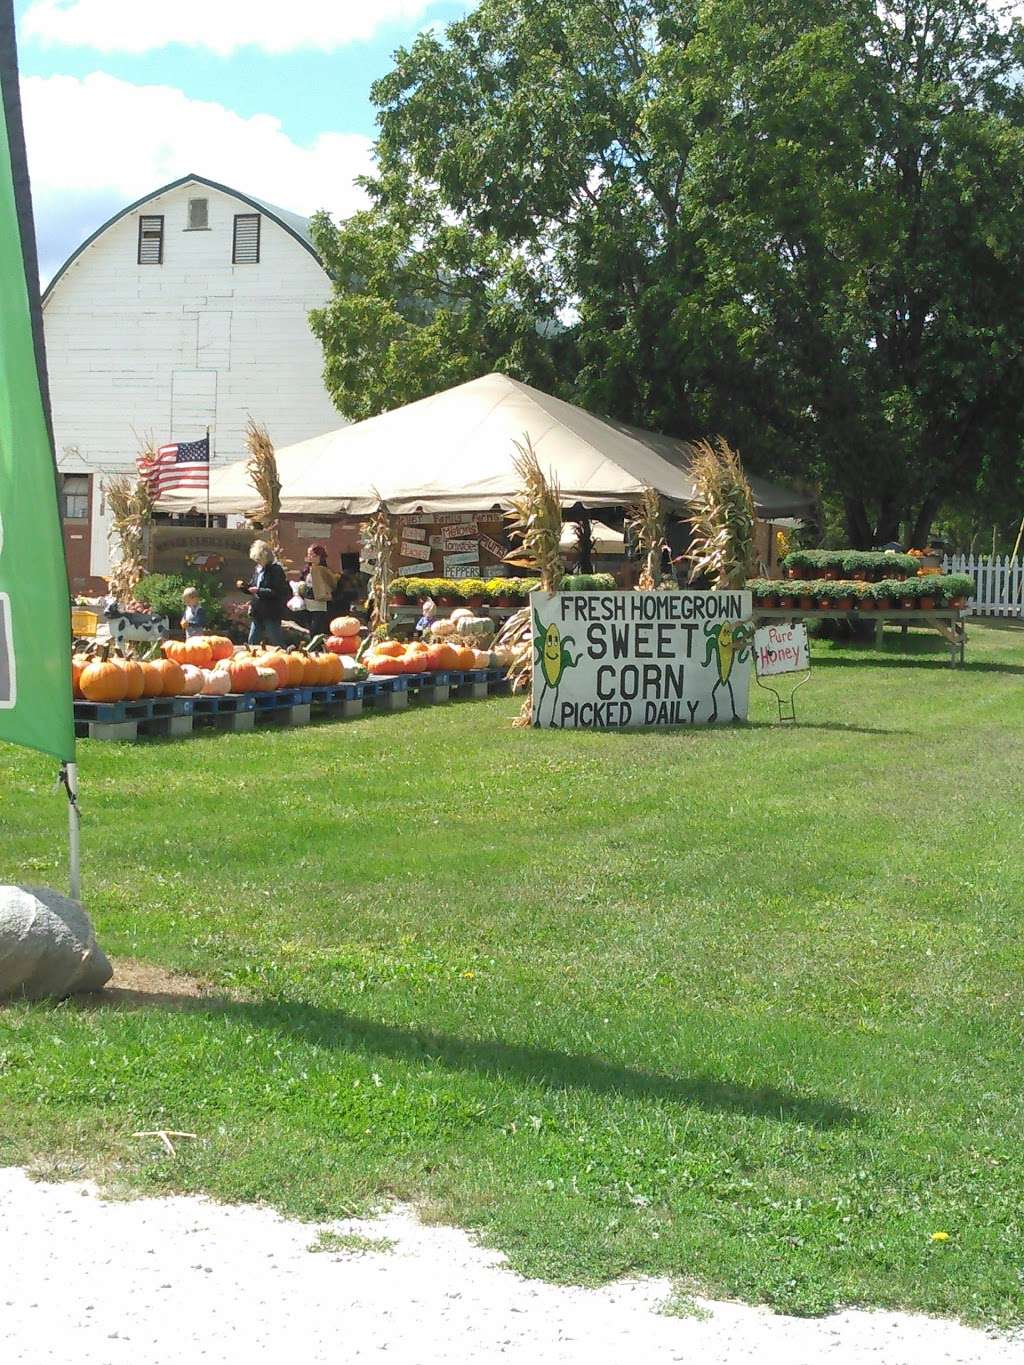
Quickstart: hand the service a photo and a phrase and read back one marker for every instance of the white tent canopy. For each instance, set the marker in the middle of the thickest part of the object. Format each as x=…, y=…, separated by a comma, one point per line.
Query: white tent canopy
x=606, y=541
x=453, y=452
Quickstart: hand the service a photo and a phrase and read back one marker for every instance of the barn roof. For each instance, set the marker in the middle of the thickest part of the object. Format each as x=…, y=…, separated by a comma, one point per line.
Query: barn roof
x=293, y=223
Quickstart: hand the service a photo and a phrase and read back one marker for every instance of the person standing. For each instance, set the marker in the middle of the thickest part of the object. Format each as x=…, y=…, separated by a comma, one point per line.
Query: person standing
x=268, y=589
x=193, y=622
x=320, y=583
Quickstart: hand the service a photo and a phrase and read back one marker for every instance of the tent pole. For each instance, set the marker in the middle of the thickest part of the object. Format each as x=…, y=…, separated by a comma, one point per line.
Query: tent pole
x=74, y=820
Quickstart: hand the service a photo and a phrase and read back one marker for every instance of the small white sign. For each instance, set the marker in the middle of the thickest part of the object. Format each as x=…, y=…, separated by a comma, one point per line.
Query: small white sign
x=462, y=546
x=452, y=561
x=8, y=665
x=411, y=550
x=492, y=547
x=462, y=571
x=781, y=648
x=426, y=569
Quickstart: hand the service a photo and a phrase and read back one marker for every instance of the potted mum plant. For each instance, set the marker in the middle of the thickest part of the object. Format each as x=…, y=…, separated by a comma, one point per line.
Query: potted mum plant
x=398, y=592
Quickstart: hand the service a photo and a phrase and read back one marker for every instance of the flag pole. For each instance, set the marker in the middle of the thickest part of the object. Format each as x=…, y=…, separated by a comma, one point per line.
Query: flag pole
x=74, y=823
x=209, y=471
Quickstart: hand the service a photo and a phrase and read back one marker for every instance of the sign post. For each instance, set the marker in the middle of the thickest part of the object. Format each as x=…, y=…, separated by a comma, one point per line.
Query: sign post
x=780, y=649
x=626, y=660
x=35, y=626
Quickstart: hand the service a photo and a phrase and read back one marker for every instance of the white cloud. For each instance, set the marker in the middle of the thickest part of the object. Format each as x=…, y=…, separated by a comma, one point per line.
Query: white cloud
x=222, y=26
x=97, y=143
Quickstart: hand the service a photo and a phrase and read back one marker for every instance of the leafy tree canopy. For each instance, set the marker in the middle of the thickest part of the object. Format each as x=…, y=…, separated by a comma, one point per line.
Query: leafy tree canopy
x=798, y=224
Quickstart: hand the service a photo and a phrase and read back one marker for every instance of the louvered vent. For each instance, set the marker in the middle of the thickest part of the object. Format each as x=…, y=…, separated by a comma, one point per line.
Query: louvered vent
x=247, y=239
x=151, y=240
x=198, y=214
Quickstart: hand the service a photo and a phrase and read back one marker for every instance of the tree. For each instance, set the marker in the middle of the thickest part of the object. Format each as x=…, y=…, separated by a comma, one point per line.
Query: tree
x=794, y=224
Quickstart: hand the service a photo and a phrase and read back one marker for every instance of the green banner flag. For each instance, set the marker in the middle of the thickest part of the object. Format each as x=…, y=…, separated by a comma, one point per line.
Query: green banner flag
x=35, y=624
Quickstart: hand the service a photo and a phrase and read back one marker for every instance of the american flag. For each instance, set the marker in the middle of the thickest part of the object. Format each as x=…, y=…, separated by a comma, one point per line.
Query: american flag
x=186, y=465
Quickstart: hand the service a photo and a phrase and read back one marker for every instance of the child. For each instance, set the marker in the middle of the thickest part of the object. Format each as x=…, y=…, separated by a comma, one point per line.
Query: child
x=194, y=621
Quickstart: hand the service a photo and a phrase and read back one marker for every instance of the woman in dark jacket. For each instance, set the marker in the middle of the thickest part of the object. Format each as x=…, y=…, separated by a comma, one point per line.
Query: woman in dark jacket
x=269, y=590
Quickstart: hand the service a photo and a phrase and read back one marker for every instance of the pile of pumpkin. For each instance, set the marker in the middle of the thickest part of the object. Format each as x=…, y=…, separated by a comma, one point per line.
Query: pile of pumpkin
x=208, y=665
x=390, y=657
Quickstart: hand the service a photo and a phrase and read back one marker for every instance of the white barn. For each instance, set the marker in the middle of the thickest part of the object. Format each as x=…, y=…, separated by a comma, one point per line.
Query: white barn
x=188, y=309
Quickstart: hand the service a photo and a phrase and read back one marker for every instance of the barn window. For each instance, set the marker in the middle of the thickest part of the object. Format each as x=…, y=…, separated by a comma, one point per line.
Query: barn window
x=75, y=497
x=198, y=214
x=151, y=240
x=247, y=239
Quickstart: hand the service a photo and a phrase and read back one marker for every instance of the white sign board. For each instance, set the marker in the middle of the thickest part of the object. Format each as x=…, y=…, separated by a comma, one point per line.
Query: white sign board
x=464, y=557
x=781, y=648
x=617, y=660
x=425, y=569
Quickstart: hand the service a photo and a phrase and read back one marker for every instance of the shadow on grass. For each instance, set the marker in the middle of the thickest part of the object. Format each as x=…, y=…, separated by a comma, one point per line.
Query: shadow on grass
x=334, y=1029
x=835, y=726
x=879, y=658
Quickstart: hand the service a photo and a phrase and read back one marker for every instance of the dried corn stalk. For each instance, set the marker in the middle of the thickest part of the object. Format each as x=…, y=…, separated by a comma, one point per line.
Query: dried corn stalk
x=647, y=526
x=724, y=522
x=536, y=522
x=131, y=511
x=261, y=468
x=380, y=545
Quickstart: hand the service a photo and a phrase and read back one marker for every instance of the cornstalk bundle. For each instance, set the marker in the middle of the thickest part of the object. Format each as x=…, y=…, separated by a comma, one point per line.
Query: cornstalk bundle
x=261, y=468
x=724, y=523
x=647, y=526
x=380, y=544
x=536, y=519
x=131, y=509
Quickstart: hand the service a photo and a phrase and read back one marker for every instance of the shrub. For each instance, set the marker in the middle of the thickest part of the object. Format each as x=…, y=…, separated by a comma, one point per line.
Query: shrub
x=588, y=582
x=472, y=587
x=161, y=593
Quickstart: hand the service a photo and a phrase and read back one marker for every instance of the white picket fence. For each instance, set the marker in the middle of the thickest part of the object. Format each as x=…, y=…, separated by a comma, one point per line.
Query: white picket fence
x=998, y=583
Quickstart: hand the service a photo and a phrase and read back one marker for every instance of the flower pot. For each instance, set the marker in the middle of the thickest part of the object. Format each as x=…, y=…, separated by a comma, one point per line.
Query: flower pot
x=796, y=573
x=927, y=604
x=785, y=603
x=504, y=601
x=860, y=576
x=476, y=600
x=806, y=603
x=824, y=603
x=398, y=599
x=843, y=603
x=831, y=574
x=958, y=603
x=882, y=604
x=771, y=600
x=908, y=603
x=447, y=602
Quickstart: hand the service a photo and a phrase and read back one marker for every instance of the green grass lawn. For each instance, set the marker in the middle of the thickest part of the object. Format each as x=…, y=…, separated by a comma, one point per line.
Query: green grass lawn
x=742, y=1007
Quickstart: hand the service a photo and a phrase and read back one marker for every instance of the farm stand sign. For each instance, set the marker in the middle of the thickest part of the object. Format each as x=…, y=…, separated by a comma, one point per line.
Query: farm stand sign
x=781, y=649
x=616, y=660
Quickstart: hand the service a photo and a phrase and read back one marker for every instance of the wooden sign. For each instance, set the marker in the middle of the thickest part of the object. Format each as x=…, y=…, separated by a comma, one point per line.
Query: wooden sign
x=781, y=648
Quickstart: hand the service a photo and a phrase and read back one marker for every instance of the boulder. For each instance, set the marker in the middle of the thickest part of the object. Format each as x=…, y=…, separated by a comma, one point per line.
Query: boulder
x=47, y=946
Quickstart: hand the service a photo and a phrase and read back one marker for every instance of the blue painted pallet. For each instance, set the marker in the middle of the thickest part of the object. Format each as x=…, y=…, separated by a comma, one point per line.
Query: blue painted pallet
x=225, y=705
x=336, y=692
x=381, y=686
x=114, y=712
x=284, y=696
x=173, y=706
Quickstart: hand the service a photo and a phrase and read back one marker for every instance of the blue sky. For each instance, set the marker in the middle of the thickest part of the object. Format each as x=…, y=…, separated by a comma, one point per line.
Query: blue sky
x=272, y=98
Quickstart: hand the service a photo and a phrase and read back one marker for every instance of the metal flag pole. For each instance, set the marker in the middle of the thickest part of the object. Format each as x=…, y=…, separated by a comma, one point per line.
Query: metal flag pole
x=68, y=779
x=209, y=471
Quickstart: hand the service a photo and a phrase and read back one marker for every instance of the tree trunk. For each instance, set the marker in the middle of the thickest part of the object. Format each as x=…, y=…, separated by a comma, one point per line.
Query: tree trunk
x=858, y=527
x=923, y=525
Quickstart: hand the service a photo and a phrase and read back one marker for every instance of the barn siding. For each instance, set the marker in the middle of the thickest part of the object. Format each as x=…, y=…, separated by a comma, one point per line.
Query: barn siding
x=161, y=350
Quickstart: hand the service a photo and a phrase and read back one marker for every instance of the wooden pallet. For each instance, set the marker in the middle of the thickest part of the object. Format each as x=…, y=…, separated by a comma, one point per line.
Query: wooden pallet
x=387, y=693
x=339, y=699
x=471, y=685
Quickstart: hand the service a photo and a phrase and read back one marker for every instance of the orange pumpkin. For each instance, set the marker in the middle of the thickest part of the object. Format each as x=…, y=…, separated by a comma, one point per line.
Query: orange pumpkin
x=296, y=668
x=172, y=679
x=435, y=657
x=220, y=647
x=102, y=680
x=134, y=678
x=466, y=658
x=172, y=649
x=280, y=662
x=448, y=657
x=341, y=644
x=152, y=678
x=343, y=627
x=78, y=663
x=384, y=664
x=266, y=679
x=390, y=649
x=243, y=675
x=196, y=652
x=310, y=670
x=331, y=669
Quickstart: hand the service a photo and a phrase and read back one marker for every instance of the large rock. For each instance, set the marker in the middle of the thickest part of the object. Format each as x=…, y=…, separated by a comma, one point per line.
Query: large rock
x=47, y=946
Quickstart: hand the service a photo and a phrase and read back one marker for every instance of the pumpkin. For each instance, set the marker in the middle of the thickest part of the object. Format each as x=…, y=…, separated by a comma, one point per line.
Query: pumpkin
x=296, y=668
x=466, y=659
x=434, y=660
x=343, y=626
x=242, y=673
x=442, y=629
x=481, y=658
x=460, y=614
x=196, y=652
x=390, y=649
x=385, y=665
x=103, y=680
x=330, y=669
x=78, y=663
x=310, y=670
x=172, y=679
x=266, y=679
x=220, y=647
x=351, y=669
x=134, y=678
x=216, y=682
x=448, y=657
x=341, y=644
x=281, y=663
x=475, y=628
x=172, y=650
x=152, y=679
x=193, y=680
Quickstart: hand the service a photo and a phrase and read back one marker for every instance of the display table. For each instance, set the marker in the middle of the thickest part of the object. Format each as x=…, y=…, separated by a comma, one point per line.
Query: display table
x=947, y=621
